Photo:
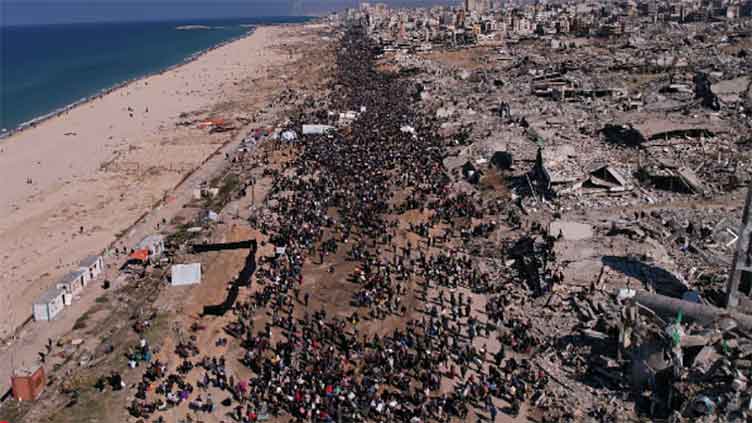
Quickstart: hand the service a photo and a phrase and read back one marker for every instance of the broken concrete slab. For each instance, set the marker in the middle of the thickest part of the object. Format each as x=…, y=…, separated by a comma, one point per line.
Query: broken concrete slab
x=570, y=231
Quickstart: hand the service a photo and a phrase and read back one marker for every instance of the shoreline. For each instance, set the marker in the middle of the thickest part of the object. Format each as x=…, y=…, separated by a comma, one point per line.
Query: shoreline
x=250, y=30
x=72, y=188
x=115, y=205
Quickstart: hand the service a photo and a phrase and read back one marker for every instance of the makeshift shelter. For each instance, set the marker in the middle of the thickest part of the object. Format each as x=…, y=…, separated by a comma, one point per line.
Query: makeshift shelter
x=92, y=266
x=289, y=136
x=153, y=243
x=141, y=255
x=317, y=129
x=48, y=305
x=28, y=384
x=186, y=274
x=72, y=283
x=211, y=123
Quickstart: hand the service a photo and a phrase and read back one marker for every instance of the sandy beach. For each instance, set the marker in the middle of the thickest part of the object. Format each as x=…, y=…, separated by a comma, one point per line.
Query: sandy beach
x=74, y=182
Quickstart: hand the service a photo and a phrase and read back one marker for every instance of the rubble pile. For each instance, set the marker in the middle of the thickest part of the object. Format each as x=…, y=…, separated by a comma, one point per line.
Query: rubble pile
x=617, y=166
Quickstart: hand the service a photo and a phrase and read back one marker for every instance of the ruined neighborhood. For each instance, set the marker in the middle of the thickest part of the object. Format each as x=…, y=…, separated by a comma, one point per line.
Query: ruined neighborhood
x=482, y=212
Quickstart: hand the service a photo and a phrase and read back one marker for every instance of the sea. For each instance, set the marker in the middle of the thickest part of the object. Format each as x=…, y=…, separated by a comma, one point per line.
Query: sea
x=46, y=68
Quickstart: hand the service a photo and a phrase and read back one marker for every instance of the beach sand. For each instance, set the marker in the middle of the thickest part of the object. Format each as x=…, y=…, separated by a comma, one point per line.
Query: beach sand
x=98, y=168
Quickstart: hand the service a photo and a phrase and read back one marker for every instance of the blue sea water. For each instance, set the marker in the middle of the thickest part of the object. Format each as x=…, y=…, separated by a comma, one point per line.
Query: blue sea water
x=44, y=68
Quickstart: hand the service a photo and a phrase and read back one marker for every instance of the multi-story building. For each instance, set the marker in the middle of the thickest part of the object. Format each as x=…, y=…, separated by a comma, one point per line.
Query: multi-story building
x=478, y=6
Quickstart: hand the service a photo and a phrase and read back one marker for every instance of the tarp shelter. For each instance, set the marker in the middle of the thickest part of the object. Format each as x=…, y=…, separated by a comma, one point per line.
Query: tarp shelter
x=48, y=305
x=211, y=122
x=141, y=255
x=317, y=129
x=186, y=274
x=289, y=136
x=154, y=243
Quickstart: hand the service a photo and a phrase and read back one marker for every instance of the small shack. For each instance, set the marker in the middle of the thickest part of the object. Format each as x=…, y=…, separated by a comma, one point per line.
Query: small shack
x=153, y=243
x=48, y=305
x=186, y=274
x=28, y=384
x=72, y=283
x=92, y=266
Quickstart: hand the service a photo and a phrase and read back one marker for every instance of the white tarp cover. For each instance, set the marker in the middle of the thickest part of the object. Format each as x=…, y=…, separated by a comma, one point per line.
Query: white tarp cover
x=289, y=136
x=317, y=129
x=186, y=274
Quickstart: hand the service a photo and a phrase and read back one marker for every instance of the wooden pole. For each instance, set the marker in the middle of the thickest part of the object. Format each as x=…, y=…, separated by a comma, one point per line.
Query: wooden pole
x=742, y=263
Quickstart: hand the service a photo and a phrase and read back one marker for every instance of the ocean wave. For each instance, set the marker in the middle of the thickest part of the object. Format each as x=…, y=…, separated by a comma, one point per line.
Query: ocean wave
x=193, y=27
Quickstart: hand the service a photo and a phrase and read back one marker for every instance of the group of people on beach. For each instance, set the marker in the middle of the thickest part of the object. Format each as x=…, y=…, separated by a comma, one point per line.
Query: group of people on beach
x=424, y=337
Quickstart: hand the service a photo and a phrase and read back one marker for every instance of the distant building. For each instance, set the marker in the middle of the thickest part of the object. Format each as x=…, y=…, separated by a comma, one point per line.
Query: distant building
x=477, y=6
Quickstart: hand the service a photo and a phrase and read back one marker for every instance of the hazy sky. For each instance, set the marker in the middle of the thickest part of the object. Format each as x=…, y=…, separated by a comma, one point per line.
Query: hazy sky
x=25, y=12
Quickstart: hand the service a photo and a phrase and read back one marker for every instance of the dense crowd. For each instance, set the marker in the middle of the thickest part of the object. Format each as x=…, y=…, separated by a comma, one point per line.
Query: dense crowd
x=312, y=365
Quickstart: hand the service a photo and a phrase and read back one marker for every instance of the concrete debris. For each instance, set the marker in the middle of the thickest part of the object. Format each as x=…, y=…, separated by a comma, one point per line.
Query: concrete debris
x=621, y=157
x=571, y=231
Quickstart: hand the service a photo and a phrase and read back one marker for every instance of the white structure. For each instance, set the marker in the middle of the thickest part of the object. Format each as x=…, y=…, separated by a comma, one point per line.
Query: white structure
x=48, y=305
x=93, y=266
x=289, y=136
x=186, y=274
x=73, y=282
x=154, y=243
x=317, y=129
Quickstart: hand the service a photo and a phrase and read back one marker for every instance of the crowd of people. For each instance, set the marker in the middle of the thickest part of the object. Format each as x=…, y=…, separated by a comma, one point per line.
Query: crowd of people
x=343, y=362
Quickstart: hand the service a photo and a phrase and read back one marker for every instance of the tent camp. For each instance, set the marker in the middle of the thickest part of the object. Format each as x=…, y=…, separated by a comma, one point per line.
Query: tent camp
x=186, y=274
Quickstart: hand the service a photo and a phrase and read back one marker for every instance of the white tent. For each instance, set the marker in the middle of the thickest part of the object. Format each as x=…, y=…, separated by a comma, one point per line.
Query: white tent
x=186, y=274
x=317, y=129
x=289, y=135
